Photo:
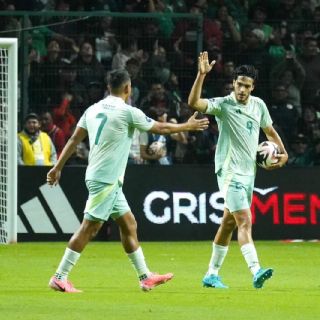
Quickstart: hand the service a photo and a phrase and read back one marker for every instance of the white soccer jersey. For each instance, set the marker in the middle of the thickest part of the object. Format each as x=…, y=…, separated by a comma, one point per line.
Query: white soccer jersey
x=110, y=124
x=239, y=127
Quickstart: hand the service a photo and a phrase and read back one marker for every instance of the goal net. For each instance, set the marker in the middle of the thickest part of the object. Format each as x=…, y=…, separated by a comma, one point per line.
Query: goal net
x=8, y=140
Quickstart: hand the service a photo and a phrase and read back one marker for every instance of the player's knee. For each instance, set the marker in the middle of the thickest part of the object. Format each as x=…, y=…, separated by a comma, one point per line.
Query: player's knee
x=229, y=225
x=132, y=226
x=245, y=225
x=89, y=230
x=127, y=224
x=94, y=233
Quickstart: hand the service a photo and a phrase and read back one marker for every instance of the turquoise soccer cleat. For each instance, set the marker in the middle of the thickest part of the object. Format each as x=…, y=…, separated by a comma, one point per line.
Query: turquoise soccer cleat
x=213, y=281
x=261, y=276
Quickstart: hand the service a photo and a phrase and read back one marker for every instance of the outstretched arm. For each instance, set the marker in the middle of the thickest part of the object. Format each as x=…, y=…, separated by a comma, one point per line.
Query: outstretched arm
x=204, y=67
x=272, y=135
x=192, y=124
x=54, y=174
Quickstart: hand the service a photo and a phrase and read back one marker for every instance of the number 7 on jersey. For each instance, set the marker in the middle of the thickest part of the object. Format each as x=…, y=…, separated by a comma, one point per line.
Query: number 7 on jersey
x=104, y=119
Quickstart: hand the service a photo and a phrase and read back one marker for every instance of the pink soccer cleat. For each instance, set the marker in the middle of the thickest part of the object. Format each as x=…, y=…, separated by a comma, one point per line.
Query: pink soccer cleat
x=154, y=280
x=62, y=285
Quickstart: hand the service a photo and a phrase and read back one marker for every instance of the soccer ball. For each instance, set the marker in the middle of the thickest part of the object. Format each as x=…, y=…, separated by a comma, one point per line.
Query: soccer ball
x=266, y=154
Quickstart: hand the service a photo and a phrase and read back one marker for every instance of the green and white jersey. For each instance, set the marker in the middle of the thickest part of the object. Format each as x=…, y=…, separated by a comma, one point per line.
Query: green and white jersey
x=239, y=127
x=110, y=124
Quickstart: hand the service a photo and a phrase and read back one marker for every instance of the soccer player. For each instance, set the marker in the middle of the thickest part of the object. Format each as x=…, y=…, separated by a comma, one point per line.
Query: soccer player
x=239, y=117
x=110, y=125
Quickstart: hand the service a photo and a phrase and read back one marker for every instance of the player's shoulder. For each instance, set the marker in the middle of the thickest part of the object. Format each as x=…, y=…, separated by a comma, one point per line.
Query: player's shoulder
x=258, y=100
x=216, y=100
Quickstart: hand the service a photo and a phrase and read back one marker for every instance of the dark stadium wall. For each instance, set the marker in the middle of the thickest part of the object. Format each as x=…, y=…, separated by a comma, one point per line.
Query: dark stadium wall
x=171, y=203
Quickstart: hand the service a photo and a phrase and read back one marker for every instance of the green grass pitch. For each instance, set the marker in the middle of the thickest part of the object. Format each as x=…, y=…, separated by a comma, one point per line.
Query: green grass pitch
x=111, y=289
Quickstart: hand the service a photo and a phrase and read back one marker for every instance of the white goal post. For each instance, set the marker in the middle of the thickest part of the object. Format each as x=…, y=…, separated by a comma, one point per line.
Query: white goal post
x=8, y=139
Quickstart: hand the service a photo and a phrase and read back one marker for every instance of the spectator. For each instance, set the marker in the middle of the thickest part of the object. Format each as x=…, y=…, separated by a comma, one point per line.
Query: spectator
x=213, y=86
x=80, y=156
x=301, y=154
x=259, y=17
x=279, y=47
x=63, y=116
x=138, y=85
x=292, y=74
x=68, y=84
x=202, y=147
x=283, y=113
x=10, y=24
x=127, y=49
x=238, y=10
x=230, y=30
x=96, y=92
x=106, y=43
x=89, y=69
x=185, y=44
x=309, y=124
x=54, y=132
x=42, y=34
x=159, y=98
x=310, y=60
x=315, y=23
x=172, y=86
x=154, y=147
x=226, y=88
x=62, y=25
x=134, y=154
x=157, y=65
x=289, y=11
x=164, y=22
x=253, y=52
x=50, y=70
x=35, y=147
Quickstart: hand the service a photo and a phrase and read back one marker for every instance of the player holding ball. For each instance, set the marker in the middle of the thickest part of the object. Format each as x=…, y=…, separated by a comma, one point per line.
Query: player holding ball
x=240, y=117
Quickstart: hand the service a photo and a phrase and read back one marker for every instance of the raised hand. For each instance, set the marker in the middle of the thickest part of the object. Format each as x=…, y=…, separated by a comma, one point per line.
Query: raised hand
x=198, y=124
x=203, y=63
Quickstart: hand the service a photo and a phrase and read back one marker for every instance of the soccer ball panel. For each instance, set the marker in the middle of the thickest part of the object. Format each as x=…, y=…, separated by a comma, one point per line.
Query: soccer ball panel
x=266, y=154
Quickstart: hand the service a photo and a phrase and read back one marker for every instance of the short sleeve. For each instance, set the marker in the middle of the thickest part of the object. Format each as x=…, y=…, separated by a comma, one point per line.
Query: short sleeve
x=82, y=122
x=266, y=120
x=140, y=120
x=214, y=106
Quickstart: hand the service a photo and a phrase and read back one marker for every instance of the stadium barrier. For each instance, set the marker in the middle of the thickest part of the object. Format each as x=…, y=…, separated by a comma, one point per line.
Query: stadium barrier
x=171, y=203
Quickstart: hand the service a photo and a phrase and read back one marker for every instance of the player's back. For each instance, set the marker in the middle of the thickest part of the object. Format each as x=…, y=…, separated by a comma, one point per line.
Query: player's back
x=108, y=123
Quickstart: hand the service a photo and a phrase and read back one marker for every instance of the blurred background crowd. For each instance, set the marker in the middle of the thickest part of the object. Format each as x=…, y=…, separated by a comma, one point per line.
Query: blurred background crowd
x=68, y=56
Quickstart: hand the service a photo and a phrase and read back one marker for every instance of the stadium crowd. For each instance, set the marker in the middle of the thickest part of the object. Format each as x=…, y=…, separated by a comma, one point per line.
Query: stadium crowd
x=70, y=57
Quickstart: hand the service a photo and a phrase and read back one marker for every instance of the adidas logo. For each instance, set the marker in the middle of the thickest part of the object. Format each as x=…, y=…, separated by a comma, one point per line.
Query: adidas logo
x=48, y=213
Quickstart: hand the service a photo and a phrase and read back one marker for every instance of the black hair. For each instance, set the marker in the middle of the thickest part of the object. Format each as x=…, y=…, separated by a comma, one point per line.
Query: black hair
x=117, y=78
x=246, y=70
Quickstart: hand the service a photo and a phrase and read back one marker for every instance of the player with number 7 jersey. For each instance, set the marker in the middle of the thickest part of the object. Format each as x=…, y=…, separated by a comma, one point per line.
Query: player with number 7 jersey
x=110, y=124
